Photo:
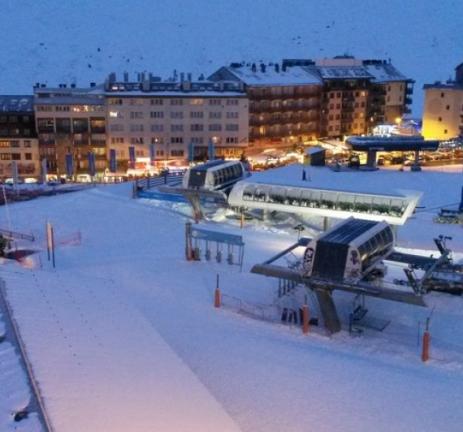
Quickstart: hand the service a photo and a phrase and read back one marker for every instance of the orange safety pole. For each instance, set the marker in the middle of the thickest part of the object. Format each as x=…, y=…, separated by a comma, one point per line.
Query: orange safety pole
x=217, y=295
x=305, y=319
x=241, y=219
x=426, y=343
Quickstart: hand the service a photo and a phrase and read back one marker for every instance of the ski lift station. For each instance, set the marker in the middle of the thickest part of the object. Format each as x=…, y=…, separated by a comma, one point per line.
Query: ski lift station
x=329, y=203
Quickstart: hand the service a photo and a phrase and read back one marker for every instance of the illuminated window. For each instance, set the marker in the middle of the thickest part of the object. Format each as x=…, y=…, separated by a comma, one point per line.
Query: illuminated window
x=196, y=101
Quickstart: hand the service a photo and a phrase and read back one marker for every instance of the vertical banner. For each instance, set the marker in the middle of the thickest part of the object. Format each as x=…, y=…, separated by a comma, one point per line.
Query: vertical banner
x=191, y=152
x=211, y=150
x=44, y=170
x=91, y=164
x=112, y=161
x=152, y=153
x=132, y=156
x=14, y=172
x=69, y=165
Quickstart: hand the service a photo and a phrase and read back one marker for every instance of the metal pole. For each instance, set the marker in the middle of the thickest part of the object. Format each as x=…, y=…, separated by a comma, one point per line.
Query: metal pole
x=52, y=246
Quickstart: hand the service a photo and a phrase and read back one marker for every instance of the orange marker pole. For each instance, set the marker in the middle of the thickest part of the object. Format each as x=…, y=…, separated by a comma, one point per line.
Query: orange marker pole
x=217, y=295
x=305, y=319
x=426, y=343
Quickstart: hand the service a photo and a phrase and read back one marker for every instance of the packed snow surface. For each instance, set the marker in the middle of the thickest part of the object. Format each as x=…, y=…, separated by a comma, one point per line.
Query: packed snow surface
x=123, y=335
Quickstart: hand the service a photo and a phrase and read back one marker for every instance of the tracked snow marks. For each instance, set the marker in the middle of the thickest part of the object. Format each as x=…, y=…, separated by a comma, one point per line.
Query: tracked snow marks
x=101, y=366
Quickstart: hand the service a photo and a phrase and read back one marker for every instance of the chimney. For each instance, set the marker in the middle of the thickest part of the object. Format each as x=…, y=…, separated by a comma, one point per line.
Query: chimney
x=92, y=84
x=126, y=77
x=262, y=67
x=254, y=67
x=112, y=77
x=73, y=85
x=182, y=77
x=277, y=68
x=146, y=86
x=189, y=77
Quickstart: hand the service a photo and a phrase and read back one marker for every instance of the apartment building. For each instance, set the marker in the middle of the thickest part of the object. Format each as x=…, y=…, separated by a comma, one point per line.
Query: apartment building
x=284, y=100
x=345, y=96
x=71, y=127
x=390, y=92
x=443, y=108
x=18, y=139
x=360, y=94
x=302, y=99
x=165, y=120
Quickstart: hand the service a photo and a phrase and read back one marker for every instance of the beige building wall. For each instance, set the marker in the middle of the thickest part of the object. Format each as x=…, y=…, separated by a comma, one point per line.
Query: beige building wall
x=172, y=122
x=346, y=112
x=67, y=126
x=443, y=113
x=394, y=101
x=25, y=151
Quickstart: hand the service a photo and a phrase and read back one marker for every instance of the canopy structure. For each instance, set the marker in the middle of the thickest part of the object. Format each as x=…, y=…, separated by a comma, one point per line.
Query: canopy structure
x=393, y=209
x=373, y=144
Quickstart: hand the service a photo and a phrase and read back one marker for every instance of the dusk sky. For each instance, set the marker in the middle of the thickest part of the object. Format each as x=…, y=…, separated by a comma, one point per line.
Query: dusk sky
x=54, y=41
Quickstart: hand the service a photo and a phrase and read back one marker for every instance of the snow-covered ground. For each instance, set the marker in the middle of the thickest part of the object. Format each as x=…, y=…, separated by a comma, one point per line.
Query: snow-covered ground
x=54, y=41
x=122, y=335
x=15, y=394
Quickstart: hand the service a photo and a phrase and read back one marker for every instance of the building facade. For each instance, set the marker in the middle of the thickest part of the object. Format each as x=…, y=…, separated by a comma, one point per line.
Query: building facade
x=71, y=128
x=18, y=138
x=443, y=108
x=390, y=92
x=167, y=120
x=345, y=97
x=302, y=100
x=284, y=101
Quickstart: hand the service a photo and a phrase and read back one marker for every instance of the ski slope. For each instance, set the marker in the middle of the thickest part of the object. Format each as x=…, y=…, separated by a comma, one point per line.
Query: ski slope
x=122, y=335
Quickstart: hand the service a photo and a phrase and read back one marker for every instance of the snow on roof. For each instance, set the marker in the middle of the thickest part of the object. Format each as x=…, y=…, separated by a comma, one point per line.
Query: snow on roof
x=16, y=103
x=384, y=72
x=296, y=75
x=344, y=72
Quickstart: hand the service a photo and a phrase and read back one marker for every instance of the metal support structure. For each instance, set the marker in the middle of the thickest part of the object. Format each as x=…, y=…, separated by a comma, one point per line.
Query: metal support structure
x=328, y=310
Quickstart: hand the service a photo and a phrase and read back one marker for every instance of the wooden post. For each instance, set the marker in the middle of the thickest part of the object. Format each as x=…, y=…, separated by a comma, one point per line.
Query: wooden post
x=426, y=343
x=217, y=295
x=242, y=219
x=305, y=319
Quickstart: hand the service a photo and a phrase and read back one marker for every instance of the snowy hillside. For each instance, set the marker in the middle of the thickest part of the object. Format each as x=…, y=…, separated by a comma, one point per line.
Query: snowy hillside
x=54, y=41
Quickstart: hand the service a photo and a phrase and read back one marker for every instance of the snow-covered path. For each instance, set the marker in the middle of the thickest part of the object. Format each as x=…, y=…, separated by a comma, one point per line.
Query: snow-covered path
x=103, y=367
x=122, y=336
